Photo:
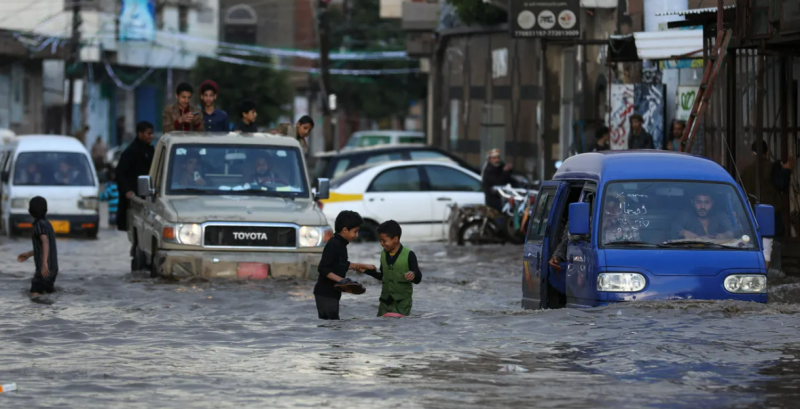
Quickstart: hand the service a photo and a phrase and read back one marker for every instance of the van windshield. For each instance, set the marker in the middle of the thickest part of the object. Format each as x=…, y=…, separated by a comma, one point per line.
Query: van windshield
x=53, y=169
x=675, y=214
x=236, y=169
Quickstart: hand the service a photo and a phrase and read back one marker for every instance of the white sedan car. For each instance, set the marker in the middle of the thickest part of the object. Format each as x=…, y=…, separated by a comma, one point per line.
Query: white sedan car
x=416, y=194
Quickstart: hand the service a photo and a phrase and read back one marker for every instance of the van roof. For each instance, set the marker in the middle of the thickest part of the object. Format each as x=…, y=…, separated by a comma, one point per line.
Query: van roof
x=640, y=164
x=230, y=137
x=41, y=143
x=389, y=132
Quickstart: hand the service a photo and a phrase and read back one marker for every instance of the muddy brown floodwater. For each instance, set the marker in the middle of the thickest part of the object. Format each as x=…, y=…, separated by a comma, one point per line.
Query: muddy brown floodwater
x=116, y=339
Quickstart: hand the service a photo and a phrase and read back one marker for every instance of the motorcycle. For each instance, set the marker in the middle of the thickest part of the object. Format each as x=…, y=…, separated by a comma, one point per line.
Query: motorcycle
x=481, y=224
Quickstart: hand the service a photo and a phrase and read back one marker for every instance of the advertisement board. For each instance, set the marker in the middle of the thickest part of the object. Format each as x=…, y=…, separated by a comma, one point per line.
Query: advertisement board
x=137, y=20
x=544, y=18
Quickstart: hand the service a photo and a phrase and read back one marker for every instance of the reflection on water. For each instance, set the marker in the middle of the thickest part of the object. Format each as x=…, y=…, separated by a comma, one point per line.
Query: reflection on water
x=113, y=339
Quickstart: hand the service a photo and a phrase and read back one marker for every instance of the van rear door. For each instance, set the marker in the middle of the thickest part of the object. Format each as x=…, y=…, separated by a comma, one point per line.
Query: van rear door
x=539, y=245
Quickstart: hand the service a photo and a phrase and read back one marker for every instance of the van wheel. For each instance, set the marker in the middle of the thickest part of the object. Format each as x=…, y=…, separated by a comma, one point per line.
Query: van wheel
x=368, y=232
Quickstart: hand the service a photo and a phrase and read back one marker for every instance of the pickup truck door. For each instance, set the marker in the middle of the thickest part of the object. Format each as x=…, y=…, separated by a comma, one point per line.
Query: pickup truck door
x=145, y=216
x=538, y=248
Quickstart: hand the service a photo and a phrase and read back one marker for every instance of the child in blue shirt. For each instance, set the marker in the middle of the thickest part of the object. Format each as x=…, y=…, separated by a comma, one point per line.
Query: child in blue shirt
x=111, y=195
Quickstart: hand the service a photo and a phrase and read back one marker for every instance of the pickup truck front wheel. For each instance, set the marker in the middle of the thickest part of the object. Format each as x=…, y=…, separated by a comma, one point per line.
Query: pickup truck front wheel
x=139, y=261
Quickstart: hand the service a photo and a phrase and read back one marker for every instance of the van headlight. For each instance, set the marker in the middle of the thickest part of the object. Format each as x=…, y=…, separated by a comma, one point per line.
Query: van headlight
x=188, y=234
x=314, y=236
x=746, y=284
x=88, y=203
x=20, y=203
x=620, y=282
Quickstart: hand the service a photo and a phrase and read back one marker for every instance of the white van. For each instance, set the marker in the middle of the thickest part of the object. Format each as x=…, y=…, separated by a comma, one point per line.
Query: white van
x=371, y=138
x=58, y=168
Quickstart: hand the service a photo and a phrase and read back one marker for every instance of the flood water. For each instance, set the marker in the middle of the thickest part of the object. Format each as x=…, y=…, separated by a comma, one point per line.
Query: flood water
x=113, y=339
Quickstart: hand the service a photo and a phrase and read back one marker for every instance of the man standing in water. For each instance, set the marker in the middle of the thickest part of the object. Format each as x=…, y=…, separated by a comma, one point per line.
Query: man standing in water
x=134, y=162
x=495, y=173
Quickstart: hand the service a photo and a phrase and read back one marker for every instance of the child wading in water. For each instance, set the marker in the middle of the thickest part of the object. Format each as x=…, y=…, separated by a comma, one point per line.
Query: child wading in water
x=334, y=265
x=111, y=195
x=398, y=270
x=44, y=251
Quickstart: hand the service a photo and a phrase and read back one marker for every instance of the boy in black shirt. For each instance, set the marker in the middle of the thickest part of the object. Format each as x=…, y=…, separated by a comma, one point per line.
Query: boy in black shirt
x=44, y=251
x=399, y=268
x=248, y=115
x=334, y=265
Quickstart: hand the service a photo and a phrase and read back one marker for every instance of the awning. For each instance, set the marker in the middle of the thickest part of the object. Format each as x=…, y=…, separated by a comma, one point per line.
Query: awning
x=668, y=45
x=695, y=11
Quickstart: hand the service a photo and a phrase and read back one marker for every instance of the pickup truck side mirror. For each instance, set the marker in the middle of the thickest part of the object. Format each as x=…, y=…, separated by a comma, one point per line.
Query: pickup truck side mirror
x=765, y=217
x=5, y=176
x=323, y=189
x=579, y=219
x=143, y=187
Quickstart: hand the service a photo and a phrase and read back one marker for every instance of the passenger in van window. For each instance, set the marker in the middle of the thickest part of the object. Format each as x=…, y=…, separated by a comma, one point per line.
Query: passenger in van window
x=66, y=175
x=192, y=174
x=30, y=176
x=704, y=222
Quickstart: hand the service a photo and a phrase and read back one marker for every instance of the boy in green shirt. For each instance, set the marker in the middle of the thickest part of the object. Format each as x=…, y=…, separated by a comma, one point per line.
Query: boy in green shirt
x=398, y=270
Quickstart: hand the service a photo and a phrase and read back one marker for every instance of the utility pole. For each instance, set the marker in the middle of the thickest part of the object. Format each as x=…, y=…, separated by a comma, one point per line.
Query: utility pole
x=325, y=77
x=74, y=58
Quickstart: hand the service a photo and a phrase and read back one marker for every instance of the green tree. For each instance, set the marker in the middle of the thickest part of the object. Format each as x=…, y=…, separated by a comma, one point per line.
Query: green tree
x=360, y=28
x=267, y=88
x=477, y=12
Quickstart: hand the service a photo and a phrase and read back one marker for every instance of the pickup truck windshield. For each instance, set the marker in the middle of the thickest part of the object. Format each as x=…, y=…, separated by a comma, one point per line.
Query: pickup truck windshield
x=674, y=214
x=53, y=169
x=236, y=169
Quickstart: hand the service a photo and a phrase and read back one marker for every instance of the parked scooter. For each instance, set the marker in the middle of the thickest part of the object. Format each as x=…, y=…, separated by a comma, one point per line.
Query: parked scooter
x=480, y=224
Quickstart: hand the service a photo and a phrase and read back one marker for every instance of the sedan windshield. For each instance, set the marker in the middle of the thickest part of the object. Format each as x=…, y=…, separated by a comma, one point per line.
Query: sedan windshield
x=236, y=169
x=53, y=169
x=675, y=214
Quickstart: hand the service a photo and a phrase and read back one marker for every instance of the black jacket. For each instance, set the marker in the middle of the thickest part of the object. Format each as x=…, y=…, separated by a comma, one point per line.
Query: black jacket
x=494, y=176
x=134, y=162
x=643, y=141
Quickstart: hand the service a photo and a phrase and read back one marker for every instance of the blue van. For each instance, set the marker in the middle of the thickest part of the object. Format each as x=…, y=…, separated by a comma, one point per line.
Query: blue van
x=643, y=225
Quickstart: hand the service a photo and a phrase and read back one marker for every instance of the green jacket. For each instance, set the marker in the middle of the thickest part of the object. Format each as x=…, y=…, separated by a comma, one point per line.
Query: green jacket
x=395, y=285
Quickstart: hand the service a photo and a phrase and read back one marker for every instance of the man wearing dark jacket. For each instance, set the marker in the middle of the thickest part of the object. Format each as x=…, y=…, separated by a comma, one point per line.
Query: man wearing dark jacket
x=774, y=178
x=134, y=162
x=639, y=138
x=495, y=173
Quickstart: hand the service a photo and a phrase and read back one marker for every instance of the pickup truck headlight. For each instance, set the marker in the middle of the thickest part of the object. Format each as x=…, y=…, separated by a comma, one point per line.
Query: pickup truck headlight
x=746, y=284
x=20, y=203
x=620, y=282
x=314, y=236
x=88, y=203
x=188, y=234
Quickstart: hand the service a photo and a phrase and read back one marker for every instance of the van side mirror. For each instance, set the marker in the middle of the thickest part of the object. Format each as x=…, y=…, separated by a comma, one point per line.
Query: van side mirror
x=5, y=176
x=765, y=217
x=143, y=187
x=323, y=189
x=579, y=219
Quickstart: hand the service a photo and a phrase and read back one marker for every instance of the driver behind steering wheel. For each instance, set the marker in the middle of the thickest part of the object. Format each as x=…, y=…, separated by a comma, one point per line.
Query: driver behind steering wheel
x=263, y=174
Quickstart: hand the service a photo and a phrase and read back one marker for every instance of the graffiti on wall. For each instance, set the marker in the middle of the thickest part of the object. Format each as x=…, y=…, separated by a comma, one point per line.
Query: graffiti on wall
x=646, y=100
x=649, y=103
x=621, y=111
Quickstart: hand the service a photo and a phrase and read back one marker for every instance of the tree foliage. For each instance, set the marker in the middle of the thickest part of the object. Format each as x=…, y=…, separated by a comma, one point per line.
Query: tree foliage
x=477, y=12
x=360, y=28
x=267, y=88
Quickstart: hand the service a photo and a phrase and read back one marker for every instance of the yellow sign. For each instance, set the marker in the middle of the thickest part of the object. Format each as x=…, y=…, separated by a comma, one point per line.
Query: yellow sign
x=60, y=227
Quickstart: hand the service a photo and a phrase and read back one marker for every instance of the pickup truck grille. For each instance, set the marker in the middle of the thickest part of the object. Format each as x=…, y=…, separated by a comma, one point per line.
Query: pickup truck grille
x=250, y=236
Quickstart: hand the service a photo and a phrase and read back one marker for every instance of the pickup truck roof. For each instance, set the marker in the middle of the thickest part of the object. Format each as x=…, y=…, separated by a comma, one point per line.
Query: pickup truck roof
x=231, y=137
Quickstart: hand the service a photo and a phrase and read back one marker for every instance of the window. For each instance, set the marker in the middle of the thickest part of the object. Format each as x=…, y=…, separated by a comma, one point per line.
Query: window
x=372, y=140
x=53, y=169
x=386, y=157
x=397, y=180
x=541, y=214
x=183, y=18
x=341, y=167
x=240, y=25
x=411, y=139
x=444, y=179
x=427, y=155
x=321, y=167
x=675, y=213
x=236, y=169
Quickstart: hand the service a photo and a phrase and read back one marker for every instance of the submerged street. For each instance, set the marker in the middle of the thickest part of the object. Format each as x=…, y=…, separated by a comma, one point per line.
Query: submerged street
x=116, y=339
